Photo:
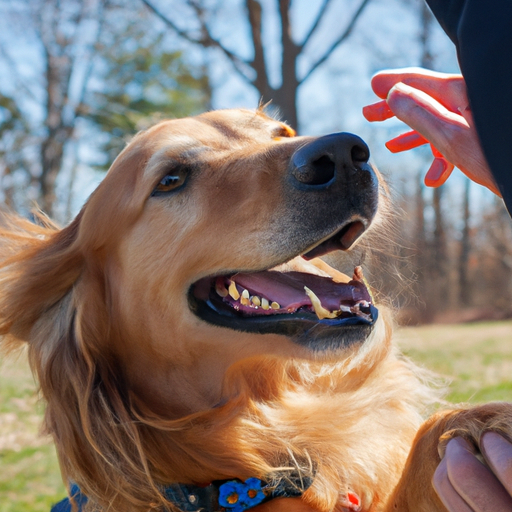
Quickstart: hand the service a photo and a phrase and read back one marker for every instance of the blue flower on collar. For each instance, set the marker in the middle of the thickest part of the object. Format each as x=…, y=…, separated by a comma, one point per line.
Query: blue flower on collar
x=239, y=496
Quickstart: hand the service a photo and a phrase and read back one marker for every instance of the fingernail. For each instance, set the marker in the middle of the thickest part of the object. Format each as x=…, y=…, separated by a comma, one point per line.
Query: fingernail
x=379, y=111
x=406, y=141
x=402, y=88
x=438, y=173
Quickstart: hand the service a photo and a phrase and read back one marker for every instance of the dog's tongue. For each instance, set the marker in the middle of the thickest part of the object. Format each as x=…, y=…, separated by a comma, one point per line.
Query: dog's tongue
x=287, y=289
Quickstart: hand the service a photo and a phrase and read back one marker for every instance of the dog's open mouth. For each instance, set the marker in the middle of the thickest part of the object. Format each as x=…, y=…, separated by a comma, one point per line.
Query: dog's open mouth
x=275, y=292
x=290, y=299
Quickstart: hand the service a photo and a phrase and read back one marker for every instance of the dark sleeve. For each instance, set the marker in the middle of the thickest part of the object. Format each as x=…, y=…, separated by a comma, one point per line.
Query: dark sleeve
x=482, y=33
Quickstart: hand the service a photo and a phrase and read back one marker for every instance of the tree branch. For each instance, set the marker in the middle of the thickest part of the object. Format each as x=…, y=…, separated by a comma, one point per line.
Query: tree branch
x=336, y=43
x=206, y=40
x=258, y=62
x=319, y=17
x=171, y=23
x=290, y=49
x=90, y=64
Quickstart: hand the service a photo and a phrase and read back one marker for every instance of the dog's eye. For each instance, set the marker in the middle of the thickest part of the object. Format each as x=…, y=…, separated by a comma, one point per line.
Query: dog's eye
x=171, y=181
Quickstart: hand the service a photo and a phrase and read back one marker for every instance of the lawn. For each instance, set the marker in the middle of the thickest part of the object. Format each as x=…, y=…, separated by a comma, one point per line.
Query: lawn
x=477, y=358
x=29, y=473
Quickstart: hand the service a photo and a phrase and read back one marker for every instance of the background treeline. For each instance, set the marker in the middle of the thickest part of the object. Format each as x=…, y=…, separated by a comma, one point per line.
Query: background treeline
x=441, y=259
x=79, y=77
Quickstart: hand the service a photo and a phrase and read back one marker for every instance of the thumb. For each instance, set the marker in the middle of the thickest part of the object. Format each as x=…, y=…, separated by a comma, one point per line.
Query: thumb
x=425, y=115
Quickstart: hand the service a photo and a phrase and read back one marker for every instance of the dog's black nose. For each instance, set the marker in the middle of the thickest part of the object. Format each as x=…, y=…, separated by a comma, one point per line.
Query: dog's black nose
x=319, y=161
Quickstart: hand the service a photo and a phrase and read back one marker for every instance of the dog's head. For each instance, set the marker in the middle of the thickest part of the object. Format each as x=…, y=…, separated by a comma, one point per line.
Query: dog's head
x=199, y=250
x=205, y=227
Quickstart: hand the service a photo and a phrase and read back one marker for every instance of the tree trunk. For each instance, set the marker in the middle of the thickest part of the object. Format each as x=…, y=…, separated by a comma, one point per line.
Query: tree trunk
x=286, y=95
x=52, y=155
x=439, y=267
x=464, y=285
x=58, y=75
x=427, y=59
x=421, y=260
x=285, y=100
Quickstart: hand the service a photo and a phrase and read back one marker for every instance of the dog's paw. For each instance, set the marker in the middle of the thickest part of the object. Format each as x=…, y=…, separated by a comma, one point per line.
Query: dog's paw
x=415, y=491
x=470, y=424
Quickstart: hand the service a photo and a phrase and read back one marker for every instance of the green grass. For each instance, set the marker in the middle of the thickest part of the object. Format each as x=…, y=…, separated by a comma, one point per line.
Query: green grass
x=29, y=473
x=477, y=358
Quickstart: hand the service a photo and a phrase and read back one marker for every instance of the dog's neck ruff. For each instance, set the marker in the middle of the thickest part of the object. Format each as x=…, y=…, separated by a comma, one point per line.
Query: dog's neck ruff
x=220, y=496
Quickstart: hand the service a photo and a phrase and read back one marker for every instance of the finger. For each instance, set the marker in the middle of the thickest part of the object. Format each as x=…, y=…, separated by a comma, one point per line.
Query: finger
x=439, y=172
x=384, y=80
x=498, y=454
x=406, y=141
x=379, y=111
x=414, y=104
x=473, y=481
x=447, y=494
x=425, y=115
x=448, y=89
x=447, y=131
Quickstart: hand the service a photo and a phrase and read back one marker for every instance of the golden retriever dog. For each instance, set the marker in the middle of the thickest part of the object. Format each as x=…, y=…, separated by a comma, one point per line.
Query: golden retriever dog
x=193, y=350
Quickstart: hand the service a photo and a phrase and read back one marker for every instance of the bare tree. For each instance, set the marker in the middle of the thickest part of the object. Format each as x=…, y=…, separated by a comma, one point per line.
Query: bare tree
x=93, y=60
x=254, y=71
x=434, y=254
x=62, y=35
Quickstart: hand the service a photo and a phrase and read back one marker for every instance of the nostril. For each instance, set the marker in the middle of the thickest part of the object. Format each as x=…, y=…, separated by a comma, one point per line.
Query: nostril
x=315, y=172
x=360, y=154
x=324, y=168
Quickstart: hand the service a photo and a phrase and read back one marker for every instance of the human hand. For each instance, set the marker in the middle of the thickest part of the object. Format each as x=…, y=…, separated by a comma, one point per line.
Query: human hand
x=464, y=484
x=435, y=105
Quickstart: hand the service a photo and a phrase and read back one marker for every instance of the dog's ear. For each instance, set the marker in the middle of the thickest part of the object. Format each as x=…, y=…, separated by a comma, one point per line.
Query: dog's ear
x=40, y=264
x=54, y=296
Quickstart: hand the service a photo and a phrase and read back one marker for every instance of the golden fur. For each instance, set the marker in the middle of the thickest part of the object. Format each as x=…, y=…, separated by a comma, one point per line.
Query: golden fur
x=140, y=392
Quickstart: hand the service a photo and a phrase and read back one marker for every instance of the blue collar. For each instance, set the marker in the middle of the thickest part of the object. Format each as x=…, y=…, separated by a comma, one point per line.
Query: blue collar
x=224, y=495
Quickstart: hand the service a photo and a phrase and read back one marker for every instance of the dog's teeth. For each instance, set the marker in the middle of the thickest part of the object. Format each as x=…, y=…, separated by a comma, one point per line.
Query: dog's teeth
x=275, y=305
x=233, y=292
x=264, y=303
x=320, y=311
x=245, y=298
x=359, y=276
x=221, y=290
x=256, y=300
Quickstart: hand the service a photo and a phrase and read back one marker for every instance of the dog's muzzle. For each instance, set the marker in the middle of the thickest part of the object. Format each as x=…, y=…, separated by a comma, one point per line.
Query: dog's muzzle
x=330, y=196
